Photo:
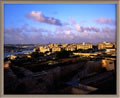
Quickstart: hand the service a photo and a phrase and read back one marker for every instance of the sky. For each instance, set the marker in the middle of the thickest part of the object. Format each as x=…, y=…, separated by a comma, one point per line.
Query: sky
x=59, y=23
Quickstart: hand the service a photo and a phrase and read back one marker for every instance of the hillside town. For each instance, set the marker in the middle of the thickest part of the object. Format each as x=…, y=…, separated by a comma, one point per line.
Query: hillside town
x=62, y=68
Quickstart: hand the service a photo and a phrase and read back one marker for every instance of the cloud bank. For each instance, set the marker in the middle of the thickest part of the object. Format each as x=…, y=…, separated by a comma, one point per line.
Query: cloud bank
x=67, y=32
x=103, y=20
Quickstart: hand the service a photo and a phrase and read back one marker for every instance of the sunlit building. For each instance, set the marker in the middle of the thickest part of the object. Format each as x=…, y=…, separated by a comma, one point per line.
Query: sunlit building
x=85, y=54
x=56, y=45
x=84, y=46
x=34, y=50
x=114, y=45
x=12, y=57
x=28, y=56
x=43, y=49
x=6, y=64
x=110, y=50
x=64, y=45
x=51, y=45
x=70, y=48
x=54, y=49
x=105, y=45
x=108, y=64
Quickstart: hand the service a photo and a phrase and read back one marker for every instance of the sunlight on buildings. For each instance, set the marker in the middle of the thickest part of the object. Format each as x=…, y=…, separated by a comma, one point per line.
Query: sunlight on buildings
x=6, y=64
x=108, y=64
x=104, y=63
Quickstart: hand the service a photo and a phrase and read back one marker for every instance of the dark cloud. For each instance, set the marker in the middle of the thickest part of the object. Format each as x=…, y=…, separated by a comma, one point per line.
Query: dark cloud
x=38, y=16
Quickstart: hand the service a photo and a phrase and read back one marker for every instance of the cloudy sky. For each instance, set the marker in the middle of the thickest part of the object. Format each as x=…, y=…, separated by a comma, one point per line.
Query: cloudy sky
x=54, y=23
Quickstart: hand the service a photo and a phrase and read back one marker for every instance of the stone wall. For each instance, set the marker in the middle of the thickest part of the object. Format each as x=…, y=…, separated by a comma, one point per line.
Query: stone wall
x=35, y=83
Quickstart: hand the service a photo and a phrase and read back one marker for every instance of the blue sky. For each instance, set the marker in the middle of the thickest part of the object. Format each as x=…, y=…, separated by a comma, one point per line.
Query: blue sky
x=44, y=23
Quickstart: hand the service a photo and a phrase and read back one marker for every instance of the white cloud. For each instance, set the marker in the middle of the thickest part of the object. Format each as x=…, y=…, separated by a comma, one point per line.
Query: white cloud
x=38, y=16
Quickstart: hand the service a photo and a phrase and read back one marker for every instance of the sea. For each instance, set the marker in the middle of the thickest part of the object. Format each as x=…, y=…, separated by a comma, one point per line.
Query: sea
x=15, y=53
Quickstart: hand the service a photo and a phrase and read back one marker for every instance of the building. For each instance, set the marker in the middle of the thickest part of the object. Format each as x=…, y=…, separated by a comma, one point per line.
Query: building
x=101, y=46
x=64, y=45
x=12, y=57
x=56, y=45
x=34, y=50
x=111, y=51
x=84, y=46
x=28, y=56
x=70, y=48
x=105, y=45
x=108, y=64
x=43, y=49
x=55, y=49
x=51, y=45
x=85, y=54
x=6, y=64
x=115, y=45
